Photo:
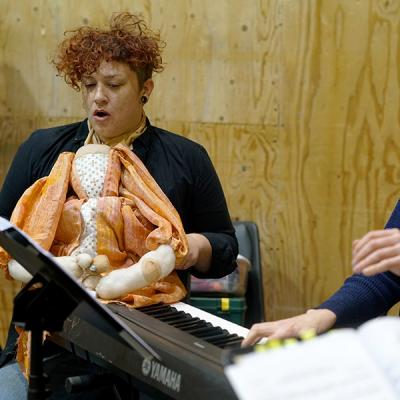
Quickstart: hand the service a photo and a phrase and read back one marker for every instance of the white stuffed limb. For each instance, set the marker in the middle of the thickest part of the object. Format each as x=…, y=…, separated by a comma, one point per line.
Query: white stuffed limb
x=153, y=266
x=18, y=272
x=74, y=265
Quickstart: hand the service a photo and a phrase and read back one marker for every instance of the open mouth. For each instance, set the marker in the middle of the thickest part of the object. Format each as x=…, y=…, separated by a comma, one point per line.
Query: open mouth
x=100, y=114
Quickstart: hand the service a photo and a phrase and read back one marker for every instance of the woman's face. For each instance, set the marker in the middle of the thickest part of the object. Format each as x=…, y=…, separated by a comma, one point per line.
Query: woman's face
x=112, y=99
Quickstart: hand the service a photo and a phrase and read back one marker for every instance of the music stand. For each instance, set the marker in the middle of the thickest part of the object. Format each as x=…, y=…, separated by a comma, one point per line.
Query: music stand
x=49, y=298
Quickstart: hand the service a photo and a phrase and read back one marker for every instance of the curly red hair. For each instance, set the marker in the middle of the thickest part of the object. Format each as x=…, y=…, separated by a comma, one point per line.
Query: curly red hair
x=127, y=40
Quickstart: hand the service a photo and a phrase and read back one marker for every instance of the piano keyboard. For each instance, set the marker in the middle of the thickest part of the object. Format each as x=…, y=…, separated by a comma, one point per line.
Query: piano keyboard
x=192, y=344
x=212, y=319
x=198, y=323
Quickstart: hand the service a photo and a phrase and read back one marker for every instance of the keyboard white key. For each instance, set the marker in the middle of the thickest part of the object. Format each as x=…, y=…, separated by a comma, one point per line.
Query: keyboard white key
x=212, y=319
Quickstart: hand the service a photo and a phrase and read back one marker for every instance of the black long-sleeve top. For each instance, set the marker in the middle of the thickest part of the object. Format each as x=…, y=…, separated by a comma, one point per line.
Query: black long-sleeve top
x=181, y=167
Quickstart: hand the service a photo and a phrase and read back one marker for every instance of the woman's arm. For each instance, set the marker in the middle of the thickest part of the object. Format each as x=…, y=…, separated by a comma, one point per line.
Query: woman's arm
x=359, y=299
x=213, y=239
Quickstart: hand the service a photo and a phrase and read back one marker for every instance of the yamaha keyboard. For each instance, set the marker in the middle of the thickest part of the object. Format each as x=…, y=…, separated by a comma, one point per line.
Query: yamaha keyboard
x=192, y=344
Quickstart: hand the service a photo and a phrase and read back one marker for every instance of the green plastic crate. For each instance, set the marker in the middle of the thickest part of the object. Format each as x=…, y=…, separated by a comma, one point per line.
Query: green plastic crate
x=230, y=308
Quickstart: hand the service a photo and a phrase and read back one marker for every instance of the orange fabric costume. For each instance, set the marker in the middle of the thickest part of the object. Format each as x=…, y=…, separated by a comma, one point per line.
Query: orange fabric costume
x=133, y=217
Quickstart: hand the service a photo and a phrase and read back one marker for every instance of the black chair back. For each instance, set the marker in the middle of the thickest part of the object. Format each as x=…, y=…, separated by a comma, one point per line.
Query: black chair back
x=249, y=246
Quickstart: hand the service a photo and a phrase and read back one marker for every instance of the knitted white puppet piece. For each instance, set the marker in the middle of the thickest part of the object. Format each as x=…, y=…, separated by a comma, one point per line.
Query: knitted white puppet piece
x=91, y=269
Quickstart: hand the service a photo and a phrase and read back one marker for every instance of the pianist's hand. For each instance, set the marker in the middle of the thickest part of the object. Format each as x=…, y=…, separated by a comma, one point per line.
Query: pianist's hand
x=376, y=252
x=319, y=320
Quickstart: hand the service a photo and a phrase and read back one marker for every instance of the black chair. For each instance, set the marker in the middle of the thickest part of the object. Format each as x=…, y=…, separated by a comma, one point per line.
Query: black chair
x=249, y=246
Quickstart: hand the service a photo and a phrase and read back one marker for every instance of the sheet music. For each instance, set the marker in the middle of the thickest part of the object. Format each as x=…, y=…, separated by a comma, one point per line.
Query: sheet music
x=334, y=366
x=4, y=224
x=382, y=338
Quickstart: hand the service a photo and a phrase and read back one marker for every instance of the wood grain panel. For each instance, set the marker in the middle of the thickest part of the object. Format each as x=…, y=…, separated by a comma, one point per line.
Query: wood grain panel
x=339, y=141
x=216, y=52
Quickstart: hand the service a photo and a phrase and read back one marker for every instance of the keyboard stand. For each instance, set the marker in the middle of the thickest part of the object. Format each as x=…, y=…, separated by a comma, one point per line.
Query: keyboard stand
x=40, y=306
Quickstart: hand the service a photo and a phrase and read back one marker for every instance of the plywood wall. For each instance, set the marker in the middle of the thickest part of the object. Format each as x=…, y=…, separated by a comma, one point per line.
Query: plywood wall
x=297, y=103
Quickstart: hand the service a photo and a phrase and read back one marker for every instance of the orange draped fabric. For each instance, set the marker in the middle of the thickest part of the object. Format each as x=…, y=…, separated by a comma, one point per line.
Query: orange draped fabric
x=134, y=216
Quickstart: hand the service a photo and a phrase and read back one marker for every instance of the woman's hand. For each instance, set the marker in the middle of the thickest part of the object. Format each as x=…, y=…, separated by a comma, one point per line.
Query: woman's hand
x=376, y=252
x=319, y=320
x=199, y=253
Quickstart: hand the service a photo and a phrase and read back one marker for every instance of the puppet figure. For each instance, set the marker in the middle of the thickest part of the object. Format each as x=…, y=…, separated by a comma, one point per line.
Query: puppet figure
x=107, y=222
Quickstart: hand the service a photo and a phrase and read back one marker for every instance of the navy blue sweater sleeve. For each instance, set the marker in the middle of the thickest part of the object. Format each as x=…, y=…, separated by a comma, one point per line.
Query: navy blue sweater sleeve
x=362, y=298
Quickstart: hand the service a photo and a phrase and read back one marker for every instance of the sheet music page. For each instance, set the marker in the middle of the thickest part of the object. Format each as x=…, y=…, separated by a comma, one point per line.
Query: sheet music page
x=335, y=366
x=382, y=338
x=4, y=224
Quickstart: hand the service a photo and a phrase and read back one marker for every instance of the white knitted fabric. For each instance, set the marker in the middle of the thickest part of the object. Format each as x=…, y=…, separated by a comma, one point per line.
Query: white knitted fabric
x=91, y=170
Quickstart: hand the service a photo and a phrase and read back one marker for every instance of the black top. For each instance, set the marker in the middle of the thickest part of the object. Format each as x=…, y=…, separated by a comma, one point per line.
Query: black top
x=181, y=167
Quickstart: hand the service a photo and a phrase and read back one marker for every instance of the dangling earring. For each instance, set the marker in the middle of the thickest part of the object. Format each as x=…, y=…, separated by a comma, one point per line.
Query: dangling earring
x=144, y=99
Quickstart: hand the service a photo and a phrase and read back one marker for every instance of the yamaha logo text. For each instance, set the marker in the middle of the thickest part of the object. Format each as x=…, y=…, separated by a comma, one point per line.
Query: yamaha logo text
x=160, y=373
